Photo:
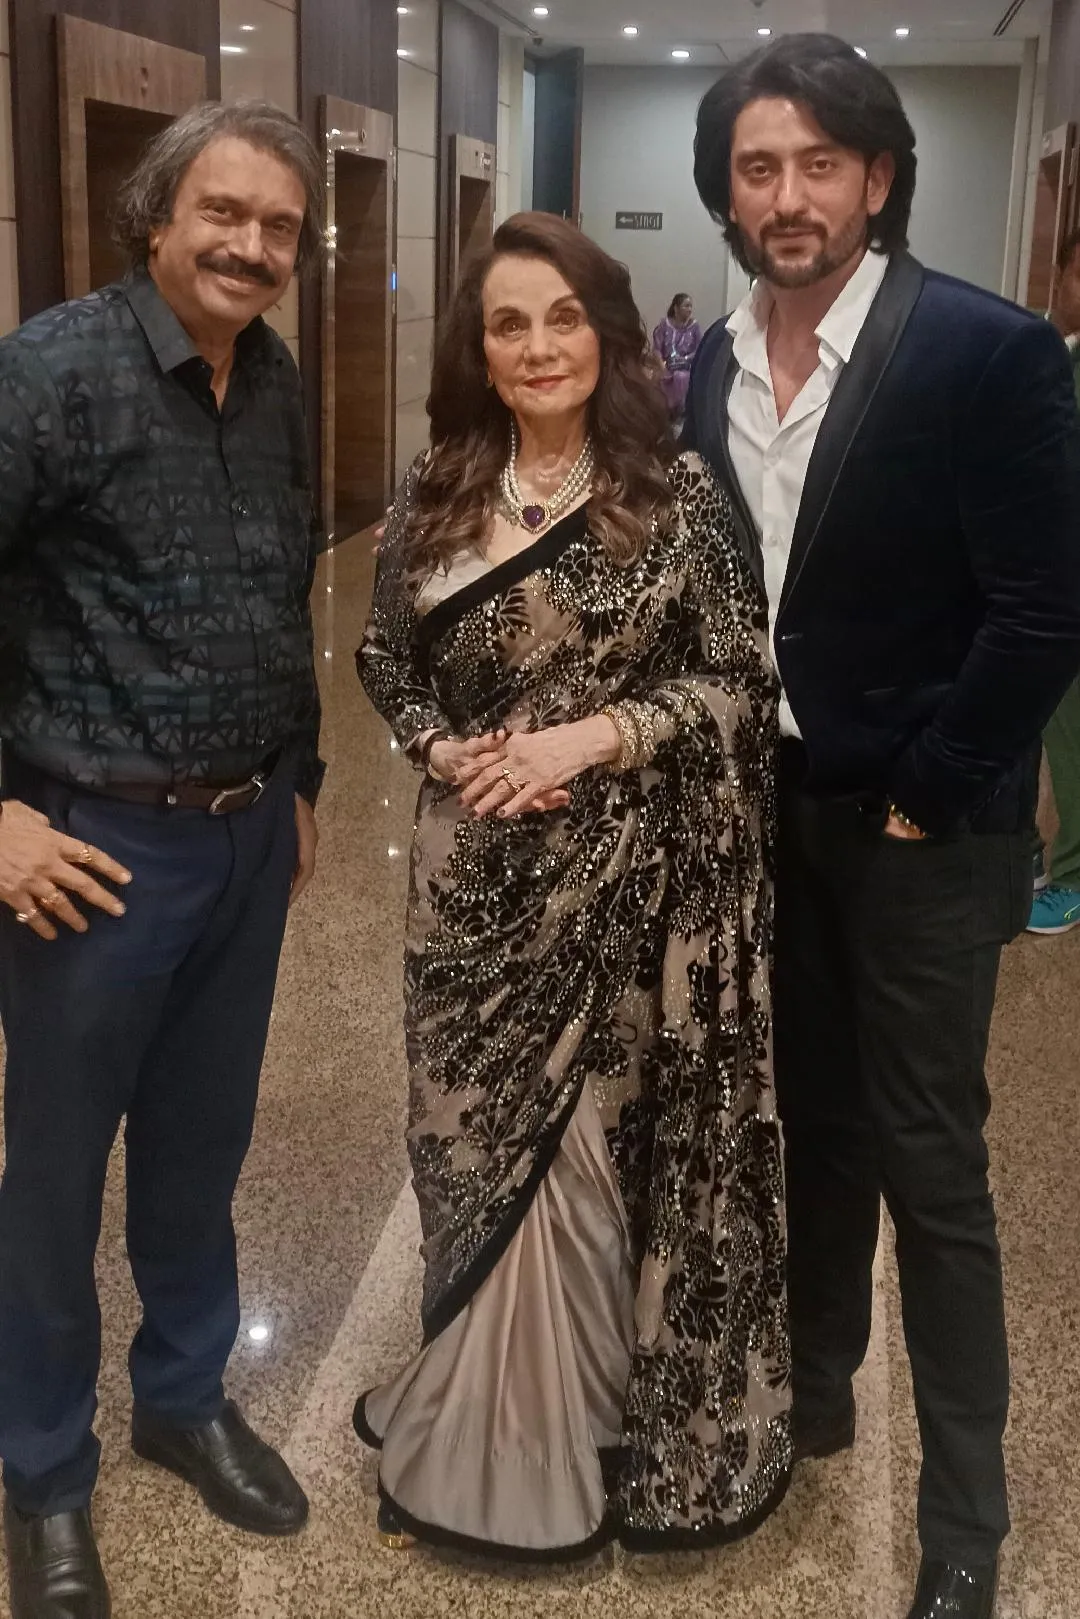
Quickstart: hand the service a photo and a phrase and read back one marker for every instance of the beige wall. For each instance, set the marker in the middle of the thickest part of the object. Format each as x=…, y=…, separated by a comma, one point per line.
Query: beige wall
x=9, y=275
x=418, y=96
x=258, y=60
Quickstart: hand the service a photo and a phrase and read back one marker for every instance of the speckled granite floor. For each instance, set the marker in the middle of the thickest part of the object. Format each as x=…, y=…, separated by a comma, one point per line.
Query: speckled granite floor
x=328, y=1239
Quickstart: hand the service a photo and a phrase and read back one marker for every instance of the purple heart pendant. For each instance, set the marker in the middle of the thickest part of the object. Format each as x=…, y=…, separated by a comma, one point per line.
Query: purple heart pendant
x=533, y=517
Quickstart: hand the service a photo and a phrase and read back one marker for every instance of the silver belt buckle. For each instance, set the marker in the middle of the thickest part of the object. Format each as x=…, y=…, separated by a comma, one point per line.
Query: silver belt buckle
x=220, y=804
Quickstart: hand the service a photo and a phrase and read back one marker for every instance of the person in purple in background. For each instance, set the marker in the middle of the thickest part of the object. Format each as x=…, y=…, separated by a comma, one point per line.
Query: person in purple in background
x=676, y=341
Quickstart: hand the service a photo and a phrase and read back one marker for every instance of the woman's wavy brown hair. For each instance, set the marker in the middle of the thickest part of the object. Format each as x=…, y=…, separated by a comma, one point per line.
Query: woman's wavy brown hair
x=470, y=424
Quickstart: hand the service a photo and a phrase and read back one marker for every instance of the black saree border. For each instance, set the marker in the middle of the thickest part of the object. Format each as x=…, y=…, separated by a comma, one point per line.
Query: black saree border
x=361, y=1426
x=640, y=1542
x=645, y=1542
x=492, y=1550
x=469, y=1283
x=540, y=554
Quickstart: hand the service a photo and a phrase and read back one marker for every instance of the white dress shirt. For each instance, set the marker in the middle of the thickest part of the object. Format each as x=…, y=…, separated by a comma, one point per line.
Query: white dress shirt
x=771, y=457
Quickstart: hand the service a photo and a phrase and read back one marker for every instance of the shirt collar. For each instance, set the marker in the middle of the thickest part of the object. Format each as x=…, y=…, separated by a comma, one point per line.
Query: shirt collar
x=171, y=345
x=838, y=331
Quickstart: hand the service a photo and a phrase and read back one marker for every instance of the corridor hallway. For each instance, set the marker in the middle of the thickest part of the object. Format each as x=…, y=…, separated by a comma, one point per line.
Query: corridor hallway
x=330, y=1277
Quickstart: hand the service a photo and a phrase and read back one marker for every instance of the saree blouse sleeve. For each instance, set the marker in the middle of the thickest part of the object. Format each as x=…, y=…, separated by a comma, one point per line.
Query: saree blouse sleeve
x=387, y=661
x=724, y=631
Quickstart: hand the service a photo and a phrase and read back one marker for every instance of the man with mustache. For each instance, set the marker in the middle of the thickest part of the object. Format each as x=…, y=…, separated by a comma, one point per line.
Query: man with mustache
x=905, y=461
x=159, y=720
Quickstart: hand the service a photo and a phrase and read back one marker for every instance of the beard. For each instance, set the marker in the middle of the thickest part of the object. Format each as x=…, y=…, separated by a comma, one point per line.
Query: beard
x=834, y=252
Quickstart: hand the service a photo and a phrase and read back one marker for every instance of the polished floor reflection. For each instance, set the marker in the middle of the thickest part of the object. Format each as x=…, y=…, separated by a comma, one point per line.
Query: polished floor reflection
x=330, y=1273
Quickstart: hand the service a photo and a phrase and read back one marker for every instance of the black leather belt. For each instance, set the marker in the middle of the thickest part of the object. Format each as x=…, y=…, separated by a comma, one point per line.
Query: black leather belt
x=213, y=797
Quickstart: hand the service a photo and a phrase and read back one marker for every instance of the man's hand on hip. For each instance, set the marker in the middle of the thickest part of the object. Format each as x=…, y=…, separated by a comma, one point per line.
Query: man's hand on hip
x=307, y=841
x=41, y=868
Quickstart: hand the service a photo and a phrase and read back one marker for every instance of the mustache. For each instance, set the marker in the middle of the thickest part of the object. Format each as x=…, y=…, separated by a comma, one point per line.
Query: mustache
x=785, y=224
x=229, y=264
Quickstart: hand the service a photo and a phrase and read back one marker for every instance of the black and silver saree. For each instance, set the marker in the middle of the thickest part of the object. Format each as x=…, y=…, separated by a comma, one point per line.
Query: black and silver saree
x=592, y=1127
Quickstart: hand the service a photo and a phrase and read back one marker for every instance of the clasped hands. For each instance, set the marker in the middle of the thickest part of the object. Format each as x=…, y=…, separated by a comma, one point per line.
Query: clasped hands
x=508, y=773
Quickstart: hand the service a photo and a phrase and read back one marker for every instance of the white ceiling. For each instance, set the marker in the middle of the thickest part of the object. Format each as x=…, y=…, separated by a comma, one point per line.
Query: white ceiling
x=715, y=31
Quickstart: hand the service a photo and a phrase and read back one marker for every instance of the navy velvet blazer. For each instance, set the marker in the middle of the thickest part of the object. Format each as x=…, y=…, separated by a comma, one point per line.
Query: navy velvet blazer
x=930, y=620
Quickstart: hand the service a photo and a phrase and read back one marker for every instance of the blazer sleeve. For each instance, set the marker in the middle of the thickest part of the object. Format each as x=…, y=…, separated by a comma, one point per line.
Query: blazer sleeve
x=1018, y=492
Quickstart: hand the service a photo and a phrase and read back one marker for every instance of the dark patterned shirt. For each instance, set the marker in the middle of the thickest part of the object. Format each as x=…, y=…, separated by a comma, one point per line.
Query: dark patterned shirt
x=156, y=554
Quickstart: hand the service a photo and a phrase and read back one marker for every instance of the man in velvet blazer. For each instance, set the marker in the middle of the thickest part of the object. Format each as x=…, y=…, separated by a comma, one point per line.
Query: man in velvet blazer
x=903, y=455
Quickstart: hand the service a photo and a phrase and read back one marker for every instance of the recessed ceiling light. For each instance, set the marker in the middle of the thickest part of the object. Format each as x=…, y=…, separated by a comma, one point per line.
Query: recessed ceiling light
x=630, y=31
x=681, y=56
x=403, y=11
x=258, y=1333
x=902, y=33
x=540, y=11
x=403, y=52
x=247, y=27
x=764, y=33
x=859, y=50
x=234, y=50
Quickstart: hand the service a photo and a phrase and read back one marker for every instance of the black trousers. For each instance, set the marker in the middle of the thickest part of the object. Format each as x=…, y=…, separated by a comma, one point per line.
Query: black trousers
x=161, y=1017
x=887, y=956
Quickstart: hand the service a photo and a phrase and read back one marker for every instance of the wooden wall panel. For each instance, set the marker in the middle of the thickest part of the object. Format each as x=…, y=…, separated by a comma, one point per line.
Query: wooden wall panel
x=468, y=105
x=117, y=91
x=348, y=49
x=191, y=25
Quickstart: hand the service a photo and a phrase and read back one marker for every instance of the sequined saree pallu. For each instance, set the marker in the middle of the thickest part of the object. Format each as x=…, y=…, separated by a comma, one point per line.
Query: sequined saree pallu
x=591, y=1123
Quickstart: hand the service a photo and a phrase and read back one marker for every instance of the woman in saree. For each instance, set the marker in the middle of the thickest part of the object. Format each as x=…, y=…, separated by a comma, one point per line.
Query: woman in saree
x=675, y=342
x=569, y=647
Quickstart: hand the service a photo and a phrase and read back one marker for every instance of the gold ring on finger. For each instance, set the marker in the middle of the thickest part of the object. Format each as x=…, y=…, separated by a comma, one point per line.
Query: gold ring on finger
x=84, y=856
x=508, y=776
x=49, y=900
x=27, y=916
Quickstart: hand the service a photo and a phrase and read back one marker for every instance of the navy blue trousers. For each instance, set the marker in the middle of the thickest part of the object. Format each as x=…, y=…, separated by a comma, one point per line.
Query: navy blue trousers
x=159, y=1018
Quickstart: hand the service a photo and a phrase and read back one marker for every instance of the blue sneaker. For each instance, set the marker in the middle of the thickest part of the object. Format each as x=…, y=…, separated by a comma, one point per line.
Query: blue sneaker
x=1056, y=910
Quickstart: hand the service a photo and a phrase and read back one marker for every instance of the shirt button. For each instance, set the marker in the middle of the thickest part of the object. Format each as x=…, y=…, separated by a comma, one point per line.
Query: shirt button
x=249, y=584
x=241, y=507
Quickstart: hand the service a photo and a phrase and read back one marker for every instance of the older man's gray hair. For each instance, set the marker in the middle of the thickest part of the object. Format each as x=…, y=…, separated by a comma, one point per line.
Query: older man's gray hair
x=146, y=199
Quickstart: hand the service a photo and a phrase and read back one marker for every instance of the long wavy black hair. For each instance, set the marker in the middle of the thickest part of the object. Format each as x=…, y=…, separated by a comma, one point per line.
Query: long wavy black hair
x=470, y=424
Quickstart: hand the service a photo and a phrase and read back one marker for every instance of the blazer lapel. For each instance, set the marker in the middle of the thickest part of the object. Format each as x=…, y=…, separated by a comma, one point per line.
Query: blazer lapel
x=851, y=399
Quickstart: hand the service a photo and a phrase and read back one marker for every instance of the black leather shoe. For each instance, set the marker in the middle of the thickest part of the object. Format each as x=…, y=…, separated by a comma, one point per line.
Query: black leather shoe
x=945, y=1591
x=54, y=1571
x=237, y=1474
x=822, y=1433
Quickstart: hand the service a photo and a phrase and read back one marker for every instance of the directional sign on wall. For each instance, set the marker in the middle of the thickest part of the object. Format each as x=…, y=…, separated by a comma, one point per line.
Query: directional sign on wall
x=630, y=221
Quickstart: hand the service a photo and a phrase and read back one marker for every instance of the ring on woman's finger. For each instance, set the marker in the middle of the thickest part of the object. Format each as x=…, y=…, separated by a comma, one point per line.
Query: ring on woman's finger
x=50, y=900
x=27, y=916
x=84, y=856
x=508, y=776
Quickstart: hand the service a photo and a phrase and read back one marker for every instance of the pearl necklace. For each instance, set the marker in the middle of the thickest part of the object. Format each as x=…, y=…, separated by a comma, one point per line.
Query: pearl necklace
x=531, y=514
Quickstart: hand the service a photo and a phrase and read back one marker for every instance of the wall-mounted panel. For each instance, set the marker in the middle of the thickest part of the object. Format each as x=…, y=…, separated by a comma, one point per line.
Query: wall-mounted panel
x=192, y=26
x=560, y=88
x=468, y=107
x=358, y=338
x=348, y=51
x=1063, y=65
x=117, y=91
